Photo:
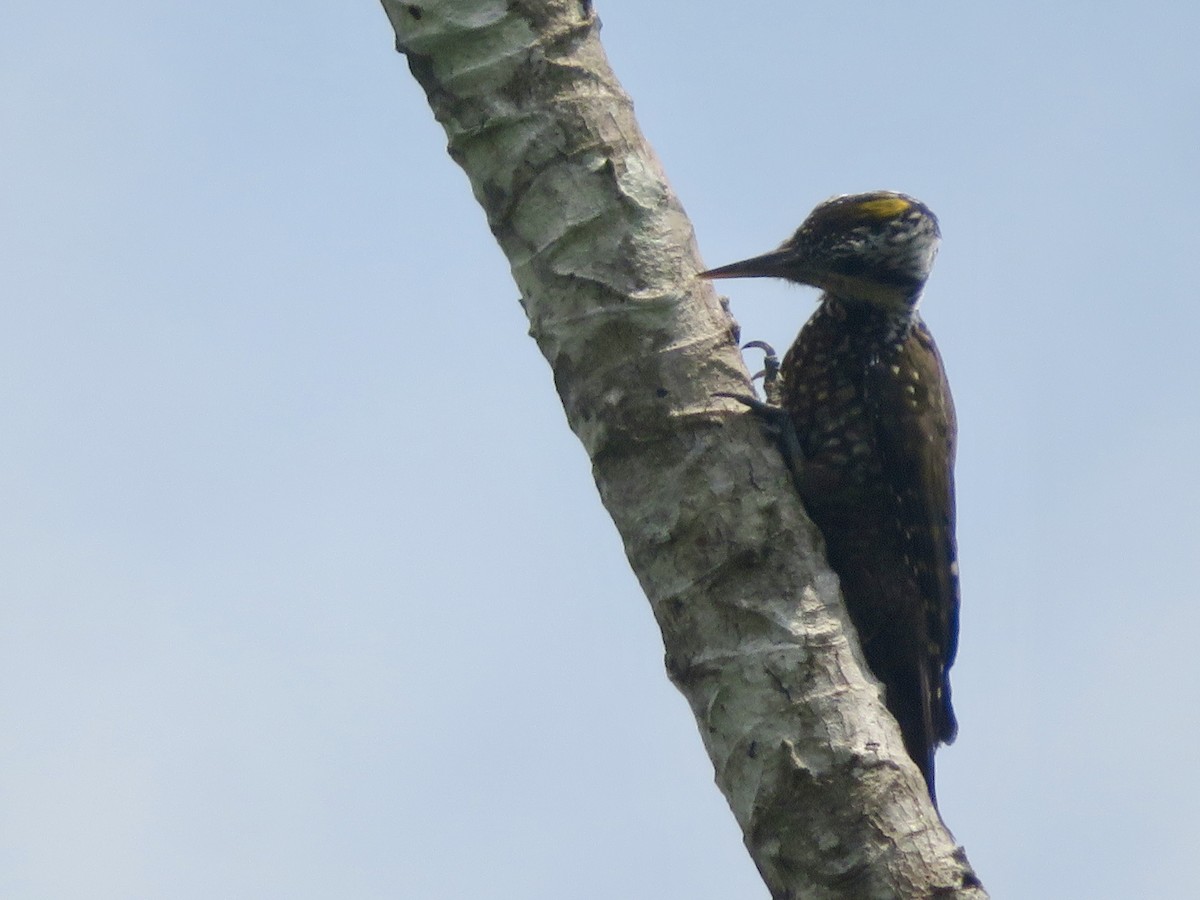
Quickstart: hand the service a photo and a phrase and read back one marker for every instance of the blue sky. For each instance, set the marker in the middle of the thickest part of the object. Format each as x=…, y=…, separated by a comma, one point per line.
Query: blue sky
x=307, y=590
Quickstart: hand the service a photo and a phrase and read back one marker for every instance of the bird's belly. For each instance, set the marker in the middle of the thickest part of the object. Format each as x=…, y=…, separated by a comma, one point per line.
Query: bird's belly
x=865, y=544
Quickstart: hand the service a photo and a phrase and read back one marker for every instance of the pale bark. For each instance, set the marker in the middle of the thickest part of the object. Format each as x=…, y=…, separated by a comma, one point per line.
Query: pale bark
x=756, y=635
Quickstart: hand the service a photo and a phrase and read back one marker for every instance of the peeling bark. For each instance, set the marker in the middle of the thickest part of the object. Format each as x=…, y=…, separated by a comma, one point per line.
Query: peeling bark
x=755, y=632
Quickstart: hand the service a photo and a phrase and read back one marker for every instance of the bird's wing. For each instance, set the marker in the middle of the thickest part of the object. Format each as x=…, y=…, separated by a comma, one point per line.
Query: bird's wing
x=915, y=426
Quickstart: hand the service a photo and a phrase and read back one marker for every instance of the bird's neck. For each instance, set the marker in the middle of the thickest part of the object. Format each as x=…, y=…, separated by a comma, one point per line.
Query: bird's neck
x=879, y=322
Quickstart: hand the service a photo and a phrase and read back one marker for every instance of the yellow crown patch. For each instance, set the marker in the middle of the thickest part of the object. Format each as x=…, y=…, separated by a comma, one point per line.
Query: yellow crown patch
x=884, y=207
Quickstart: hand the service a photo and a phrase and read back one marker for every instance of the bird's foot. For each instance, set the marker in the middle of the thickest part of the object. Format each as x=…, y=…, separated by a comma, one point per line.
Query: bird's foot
x=778, y=423
x=772, y=383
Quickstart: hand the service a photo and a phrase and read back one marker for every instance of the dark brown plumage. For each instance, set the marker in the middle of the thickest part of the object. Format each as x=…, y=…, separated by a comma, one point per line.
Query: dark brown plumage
x=864, y=388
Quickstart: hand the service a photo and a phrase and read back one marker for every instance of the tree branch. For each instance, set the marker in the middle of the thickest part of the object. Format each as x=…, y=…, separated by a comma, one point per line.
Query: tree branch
x=756, y=635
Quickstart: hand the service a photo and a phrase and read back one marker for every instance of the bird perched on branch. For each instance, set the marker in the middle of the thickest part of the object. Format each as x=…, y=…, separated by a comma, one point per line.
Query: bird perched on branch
x=864, y=390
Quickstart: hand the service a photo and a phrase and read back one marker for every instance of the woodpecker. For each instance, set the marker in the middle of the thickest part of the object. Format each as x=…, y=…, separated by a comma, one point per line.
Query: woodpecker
x=864, y=389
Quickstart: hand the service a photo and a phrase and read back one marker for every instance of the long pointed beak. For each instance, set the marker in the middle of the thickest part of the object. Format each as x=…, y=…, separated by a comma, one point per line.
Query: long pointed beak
x=770, y=265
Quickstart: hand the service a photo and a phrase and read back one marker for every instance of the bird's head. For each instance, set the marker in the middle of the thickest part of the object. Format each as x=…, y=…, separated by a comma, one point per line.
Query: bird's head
x=874, y=248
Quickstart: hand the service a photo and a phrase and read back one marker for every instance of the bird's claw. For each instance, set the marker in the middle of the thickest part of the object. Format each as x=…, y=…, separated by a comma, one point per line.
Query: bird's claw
x=766, y=411
x=778, y=424
x=772, y=388
x=777, y=420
